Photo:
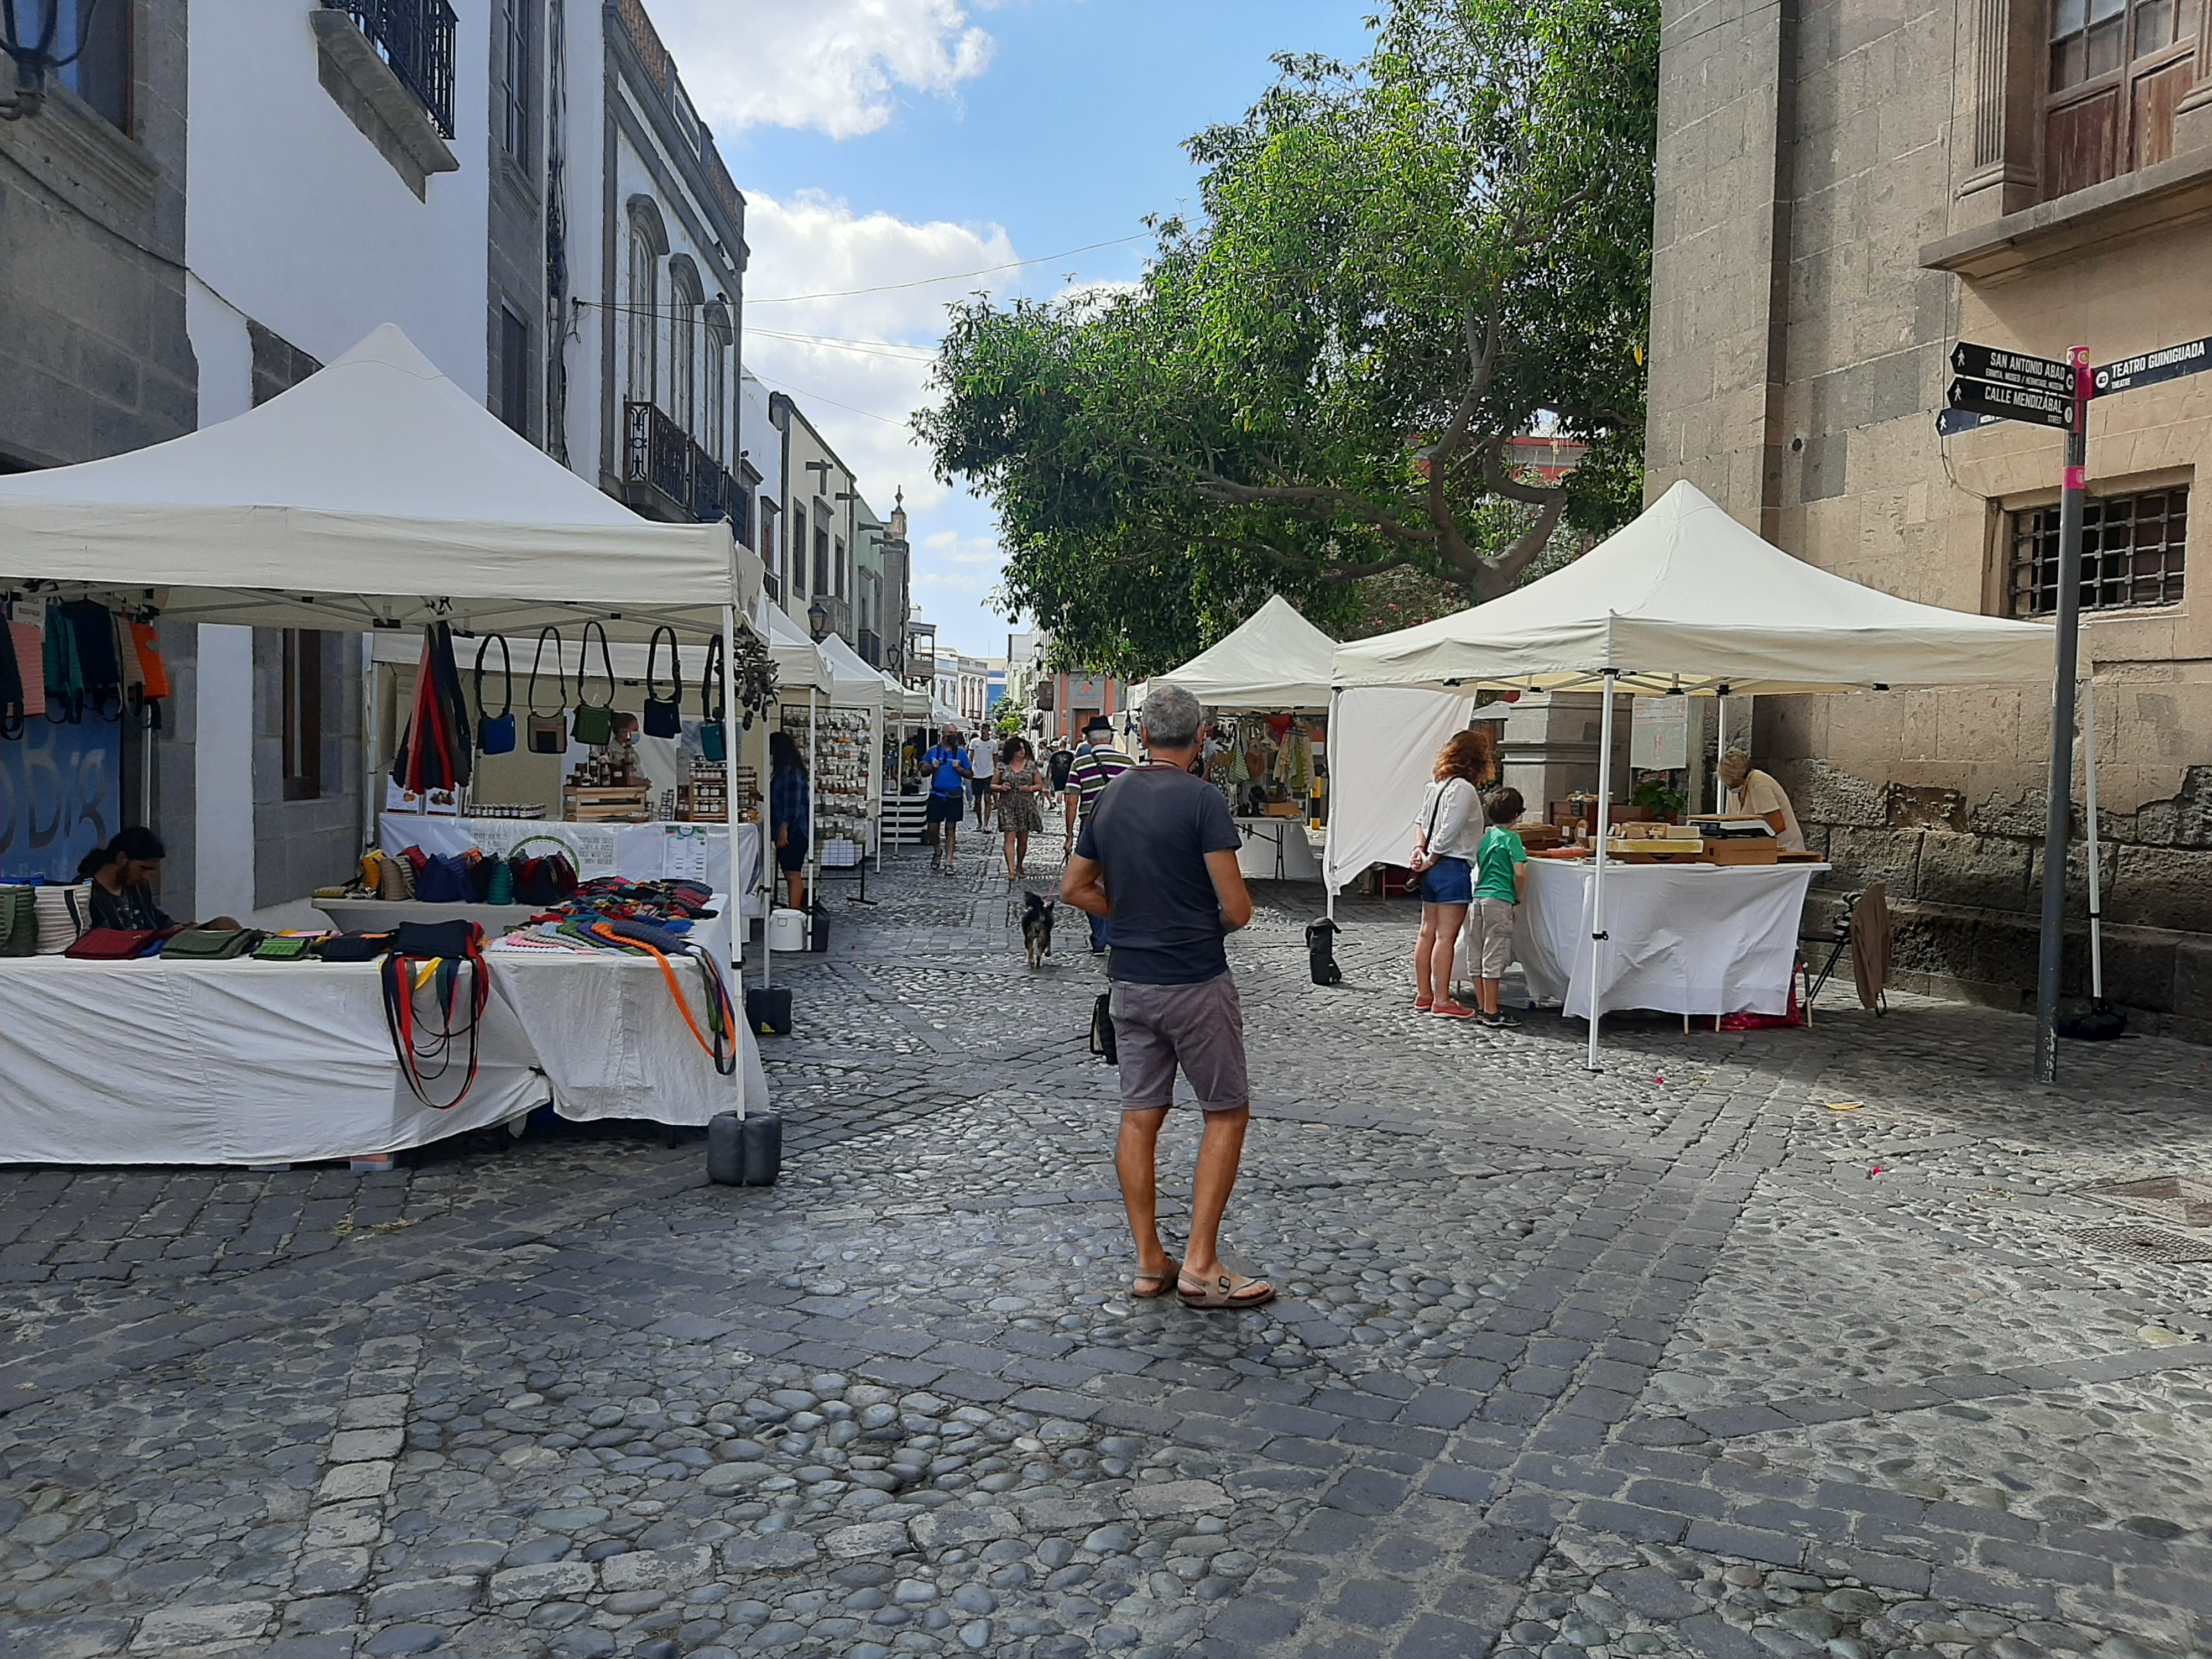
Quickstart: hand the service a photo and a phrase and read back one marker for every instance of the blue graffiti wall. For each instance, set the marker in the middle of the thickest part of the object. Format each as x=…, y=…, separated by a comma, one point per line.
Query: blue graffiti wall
x=60, y=796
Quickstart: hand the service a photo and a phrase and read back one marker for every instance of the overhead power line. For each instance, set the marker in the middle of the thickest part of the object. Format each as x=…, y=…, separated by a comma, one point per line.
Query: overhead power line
x=953, y=276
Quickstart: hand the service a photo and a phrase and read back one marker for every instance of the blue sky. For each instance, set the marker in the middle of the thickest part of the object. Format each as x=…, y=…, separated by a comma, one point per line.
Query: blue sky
x=926, y=138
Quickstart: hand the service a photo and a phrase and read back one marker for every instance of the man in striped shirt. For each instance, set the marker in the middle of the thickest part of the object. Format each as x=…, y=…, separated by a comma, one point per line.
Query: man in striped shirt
x=1097, y=763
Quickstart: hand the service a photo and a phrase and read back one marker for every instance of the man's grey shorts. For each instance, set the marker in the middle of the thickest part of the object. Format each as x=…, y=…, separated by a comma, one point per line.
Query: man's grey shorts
x=1200, y=1028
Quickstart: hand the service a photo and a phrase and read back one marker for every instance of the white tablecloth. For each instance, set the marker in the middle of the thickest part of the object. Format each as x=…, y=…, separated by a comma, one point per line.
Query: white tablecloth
x=1686, y=938
x=1256, y=854
x=251, y=1062
x=640, y=850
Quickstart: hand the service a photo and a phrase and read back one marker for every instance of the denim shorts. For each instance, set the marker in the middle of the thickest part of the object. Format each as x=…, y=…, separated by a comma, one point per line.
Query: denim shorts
x=1448, y=881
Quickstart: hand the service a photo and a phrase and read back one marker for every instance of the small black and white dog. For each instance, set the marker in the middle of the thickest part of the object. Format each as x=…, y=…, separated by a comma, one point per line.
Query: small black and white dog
x=1036, y=927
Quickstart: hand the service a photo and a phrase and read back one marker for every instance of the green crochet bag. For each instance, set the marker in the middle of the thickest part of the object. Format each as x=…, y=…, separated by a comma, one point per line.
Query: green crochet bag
x=19, y=921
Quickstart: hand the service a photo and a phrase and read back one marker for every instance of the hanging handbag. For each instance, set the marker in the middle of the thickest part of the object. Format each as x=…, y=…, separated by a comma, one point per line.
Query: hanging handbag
x=496, y=733
x=101, y=669
x=549, y=733
x=28, y=649
x=63, y=672
x=714, y=729
x=155, y=672
x=19, y=921
x=444, y=963
x=11, y=685
x=664, y=716
x=594, y=724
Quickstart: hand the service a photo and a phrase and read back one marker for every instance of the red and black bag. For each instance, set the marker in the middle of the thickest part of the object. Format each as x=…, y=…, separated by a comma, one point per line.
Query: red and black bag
x=117, y=943
x=441, y=963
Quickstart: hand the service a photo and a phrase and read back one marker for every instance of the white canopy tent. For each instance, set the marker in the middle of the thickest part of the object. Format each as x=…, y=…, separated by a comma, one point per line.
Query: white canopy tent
x=376, y=493
x=1686, y=599
x=1276, y=659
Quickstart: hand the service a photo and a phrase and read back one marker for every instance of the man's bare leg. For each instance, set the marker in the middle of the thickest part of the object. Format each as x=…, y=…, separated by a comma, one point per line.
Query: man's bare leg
x=1218, y=1154
x=1136, y=1156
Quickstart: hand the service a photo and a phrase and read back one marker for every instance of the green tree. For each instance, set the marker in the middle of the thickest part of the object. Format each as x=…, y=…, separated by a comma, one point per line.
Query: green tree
x=1398, y=267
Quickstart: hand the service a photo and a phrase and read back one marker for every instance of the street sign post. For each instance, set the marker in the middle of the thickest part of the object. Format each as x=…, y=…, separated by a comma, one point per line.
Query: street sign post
x=2034, y=405
x=2166, y=363
x=1980, y=362
x=1997, y=385
x=2059, y=804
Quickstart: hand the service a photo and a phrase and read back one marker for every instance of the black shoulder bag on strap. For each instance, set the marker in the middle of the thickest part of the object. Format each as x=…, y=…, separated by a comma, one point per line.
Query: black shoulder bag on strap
x=459, y=1010
x=664, y=716
x=496, y=733
x=549, y=733
x=595, y=721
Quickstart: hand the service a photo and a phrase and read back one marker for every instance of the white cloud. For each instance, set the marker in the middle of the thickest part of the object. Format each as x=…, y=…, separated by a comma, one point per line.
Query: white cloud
x=834, y=65
x=861, y=365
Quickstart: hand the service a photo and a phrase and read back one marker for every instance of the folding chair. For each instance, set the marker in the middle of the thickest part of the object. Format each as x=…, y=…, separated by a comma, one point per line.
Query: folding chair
x=1838, y=943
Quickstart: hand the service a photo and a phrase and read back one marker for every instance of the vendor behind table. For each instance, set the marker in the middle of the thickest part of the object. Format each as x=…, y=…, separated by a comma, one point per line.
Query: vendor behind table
x=1754, y=794
x=123, y=874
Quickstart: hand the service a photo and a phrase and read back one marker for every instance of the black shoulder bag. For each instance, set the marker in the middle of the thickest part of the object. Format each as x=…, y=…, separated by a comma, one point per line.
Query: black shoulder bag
x=664, y=716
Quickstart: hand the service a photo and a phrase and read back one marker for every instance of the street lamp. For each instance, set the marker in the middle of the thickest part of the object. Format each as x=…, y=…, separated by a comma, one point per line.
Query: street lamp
x=34, y=59
x=818, y=618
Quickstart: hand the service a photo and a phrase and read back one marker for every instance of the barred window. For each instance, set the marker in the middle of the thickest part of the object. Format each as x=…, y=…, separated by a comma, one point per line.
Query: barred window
x=2131, y=553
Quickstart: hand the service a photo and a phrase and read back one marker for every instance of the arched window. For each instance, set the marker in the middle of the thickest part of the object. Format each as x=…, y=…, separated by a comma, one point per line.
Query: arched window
x=715, y=393
x=683, y=343
x=648, y=241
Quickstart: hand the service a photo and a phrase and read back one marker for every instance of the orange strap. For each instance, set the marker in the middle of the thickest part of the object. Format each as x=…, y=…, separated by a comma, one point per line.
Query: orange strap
x=599, y=929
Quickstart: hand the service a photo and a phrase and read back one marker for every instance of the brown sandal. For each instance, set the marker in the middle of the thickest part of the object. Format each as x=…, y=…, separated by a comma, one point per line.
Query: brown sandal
x=1226, y=1289
x=1159, y=1281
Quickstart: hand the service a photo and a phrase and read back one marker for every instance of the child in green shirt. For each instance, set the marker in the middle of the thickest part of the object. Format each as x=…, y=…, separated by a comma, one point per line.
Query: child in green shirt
x=1501, y=862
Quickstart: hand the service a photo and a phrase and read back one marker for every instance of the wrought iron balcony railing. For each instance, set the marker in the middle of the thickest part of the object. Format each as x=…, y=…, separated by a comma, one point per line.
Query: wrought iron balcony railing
x=657, y=453
x=415, y=39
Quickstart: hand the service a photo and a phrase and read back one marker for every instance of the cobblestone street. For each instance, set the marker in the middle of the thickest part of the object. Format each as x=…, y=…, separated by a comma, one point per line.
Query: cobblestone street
x=1676, y=1359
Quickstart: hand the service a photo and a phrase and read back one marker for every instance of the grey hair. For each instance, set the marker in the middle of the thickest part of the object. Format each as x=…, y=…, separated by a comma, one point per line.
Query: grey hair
x=1170, y=718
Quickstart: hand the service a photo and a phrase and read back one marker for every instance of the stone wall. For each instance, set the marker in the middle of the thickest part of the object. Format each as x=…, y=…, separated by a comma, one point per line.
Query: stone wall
x=1831, y=142
x=93, y=356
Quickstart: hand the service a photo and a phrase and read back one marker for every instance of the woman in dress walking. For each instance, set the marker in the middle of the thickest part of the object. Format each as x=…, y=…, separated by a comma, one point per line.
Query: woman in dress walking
x=1447, y=832
x=1019, y=787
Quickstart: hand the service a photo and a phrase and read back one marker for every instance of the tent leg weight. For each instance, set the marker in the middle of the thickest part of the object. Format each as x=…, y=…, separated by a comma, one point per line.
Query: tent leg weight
x=744, y=1152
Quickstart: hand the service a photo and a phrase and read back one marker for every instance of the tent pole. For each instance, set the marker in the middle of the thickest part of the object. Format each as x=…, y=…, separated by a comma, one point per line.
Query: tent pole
x=2096, y=875
x=730, y=795
x=371, y=725
x=1327, y=824
x=1597, y=875
x=813, y=767
x=1720, y=748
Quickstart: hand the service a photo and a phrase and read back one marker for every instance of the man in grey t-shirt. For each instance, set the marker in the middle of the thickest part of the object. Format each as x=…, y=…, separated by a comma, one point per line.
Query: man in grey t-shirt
x=1158, y=855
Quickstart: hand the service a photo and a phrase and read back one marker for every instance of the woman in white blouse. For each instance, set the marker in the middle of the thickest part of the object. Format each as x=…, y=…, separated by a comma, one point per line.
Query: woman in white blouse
x=1447, y=832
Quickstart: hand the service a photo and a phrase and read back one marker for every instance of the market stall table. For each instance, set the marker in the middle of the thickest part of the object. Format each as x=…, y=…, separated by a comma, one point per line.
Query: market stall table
x=252, y=1062
x=640, y=852
x=1688, y=938
x=1276, y=850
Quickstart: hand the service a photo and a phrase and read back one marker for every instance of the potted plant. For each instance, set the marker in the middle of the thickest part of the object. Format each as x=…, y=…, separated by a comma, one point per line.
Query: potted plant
x=1656, y=796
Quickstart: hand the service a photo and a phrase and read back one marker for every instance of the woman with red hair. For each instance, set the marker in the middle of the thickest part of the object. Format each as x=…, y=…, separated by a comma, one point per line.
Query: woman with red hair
x=1446, y=834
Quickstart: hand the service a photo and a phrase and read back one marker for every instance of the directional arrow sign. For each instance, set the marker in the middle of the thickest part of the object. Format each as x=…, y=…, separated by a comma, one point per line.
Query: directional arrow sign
x=2013, y=402
x=2000, y=367
x=1950, y=422
x=2166, y=363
